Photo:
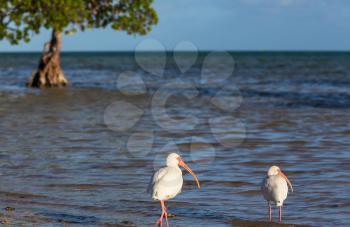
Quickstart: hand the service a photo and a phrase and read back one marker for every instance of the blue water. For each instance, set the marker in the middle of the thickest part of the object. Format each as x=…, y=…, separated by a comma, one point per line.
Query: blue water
x=84, y=155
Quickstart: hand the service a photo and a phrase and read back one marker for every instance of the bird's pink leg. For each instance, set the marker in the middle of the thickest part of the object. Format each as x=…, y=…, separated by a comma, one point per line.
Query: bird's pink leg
x=160, y=219
x=164, y=213
x=280, y=213
x=270, y=210
x=166, y=218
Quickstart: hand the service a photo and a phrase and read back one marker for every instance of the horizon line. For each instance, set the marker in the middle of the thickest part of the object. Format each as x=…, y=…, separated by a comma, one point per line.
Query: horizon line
x=167, y=51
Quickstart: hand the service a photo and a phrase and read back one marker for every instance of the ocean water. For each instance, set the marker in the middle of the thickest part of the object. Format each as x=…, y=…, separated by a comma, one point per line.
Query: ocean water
x=84, y=155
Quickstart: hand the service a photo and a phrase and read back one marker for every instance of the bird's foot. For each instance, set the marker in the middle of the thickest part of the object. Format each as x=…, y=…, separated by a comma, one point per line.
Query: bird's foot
x=159, y=222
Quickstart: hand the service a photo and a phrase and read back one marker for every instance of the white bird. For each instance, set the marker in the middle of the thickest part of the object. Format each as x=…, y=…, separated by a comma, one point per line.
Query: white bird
x=275, y=189
x=167, y=183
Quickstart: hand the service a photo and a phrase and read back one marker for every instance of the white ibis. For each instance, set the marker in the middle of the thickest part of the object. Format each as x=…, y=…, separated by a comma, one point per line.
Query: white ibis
x=275, y=189
x=167, y=183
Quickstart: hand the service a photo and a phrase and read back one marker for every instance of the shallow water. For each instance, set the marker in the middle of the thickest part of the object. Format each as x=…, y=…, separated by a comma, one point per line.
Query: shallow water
x=84, y=155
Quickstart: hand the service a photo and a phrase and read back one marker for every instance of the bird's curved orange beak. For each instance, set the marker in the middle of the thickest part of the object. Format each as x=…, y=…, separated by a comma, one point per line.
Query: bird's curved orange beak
x=280, y=173
x=183, y=164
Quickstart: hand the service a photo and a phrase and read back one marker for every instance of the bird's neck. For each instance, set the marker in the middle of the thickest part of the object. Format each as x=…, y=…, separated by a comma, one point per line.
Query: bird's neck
x=175, y=167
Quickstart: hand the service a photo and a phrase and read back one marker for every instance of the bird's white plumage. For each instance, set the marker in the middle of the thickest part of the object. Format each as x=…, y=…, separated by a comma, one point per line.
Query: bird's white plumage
x=275, y=189
x=275, y=186
x=167, y=182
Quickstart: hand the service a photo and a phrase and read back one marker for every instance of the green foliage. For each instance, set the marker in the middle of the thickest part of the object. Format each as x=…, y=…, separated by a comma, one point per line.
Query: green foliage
x=20, y=19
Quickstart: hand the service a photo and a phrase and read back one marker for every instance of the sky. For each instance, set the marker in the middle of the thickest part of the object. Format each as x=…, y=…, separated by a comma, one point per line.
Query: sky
x=224, y=25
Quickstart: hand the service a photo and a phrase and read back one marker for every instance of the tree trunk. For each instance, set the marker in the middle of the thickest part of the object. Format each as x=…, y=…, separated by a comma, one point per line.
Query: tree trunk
x=49, y=73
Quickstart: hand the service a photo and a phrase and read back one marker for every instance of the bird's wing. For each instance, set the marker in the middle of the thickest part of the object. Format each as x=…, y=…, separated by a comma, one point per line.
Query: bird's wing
x=155, y=178
x=266, y=189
